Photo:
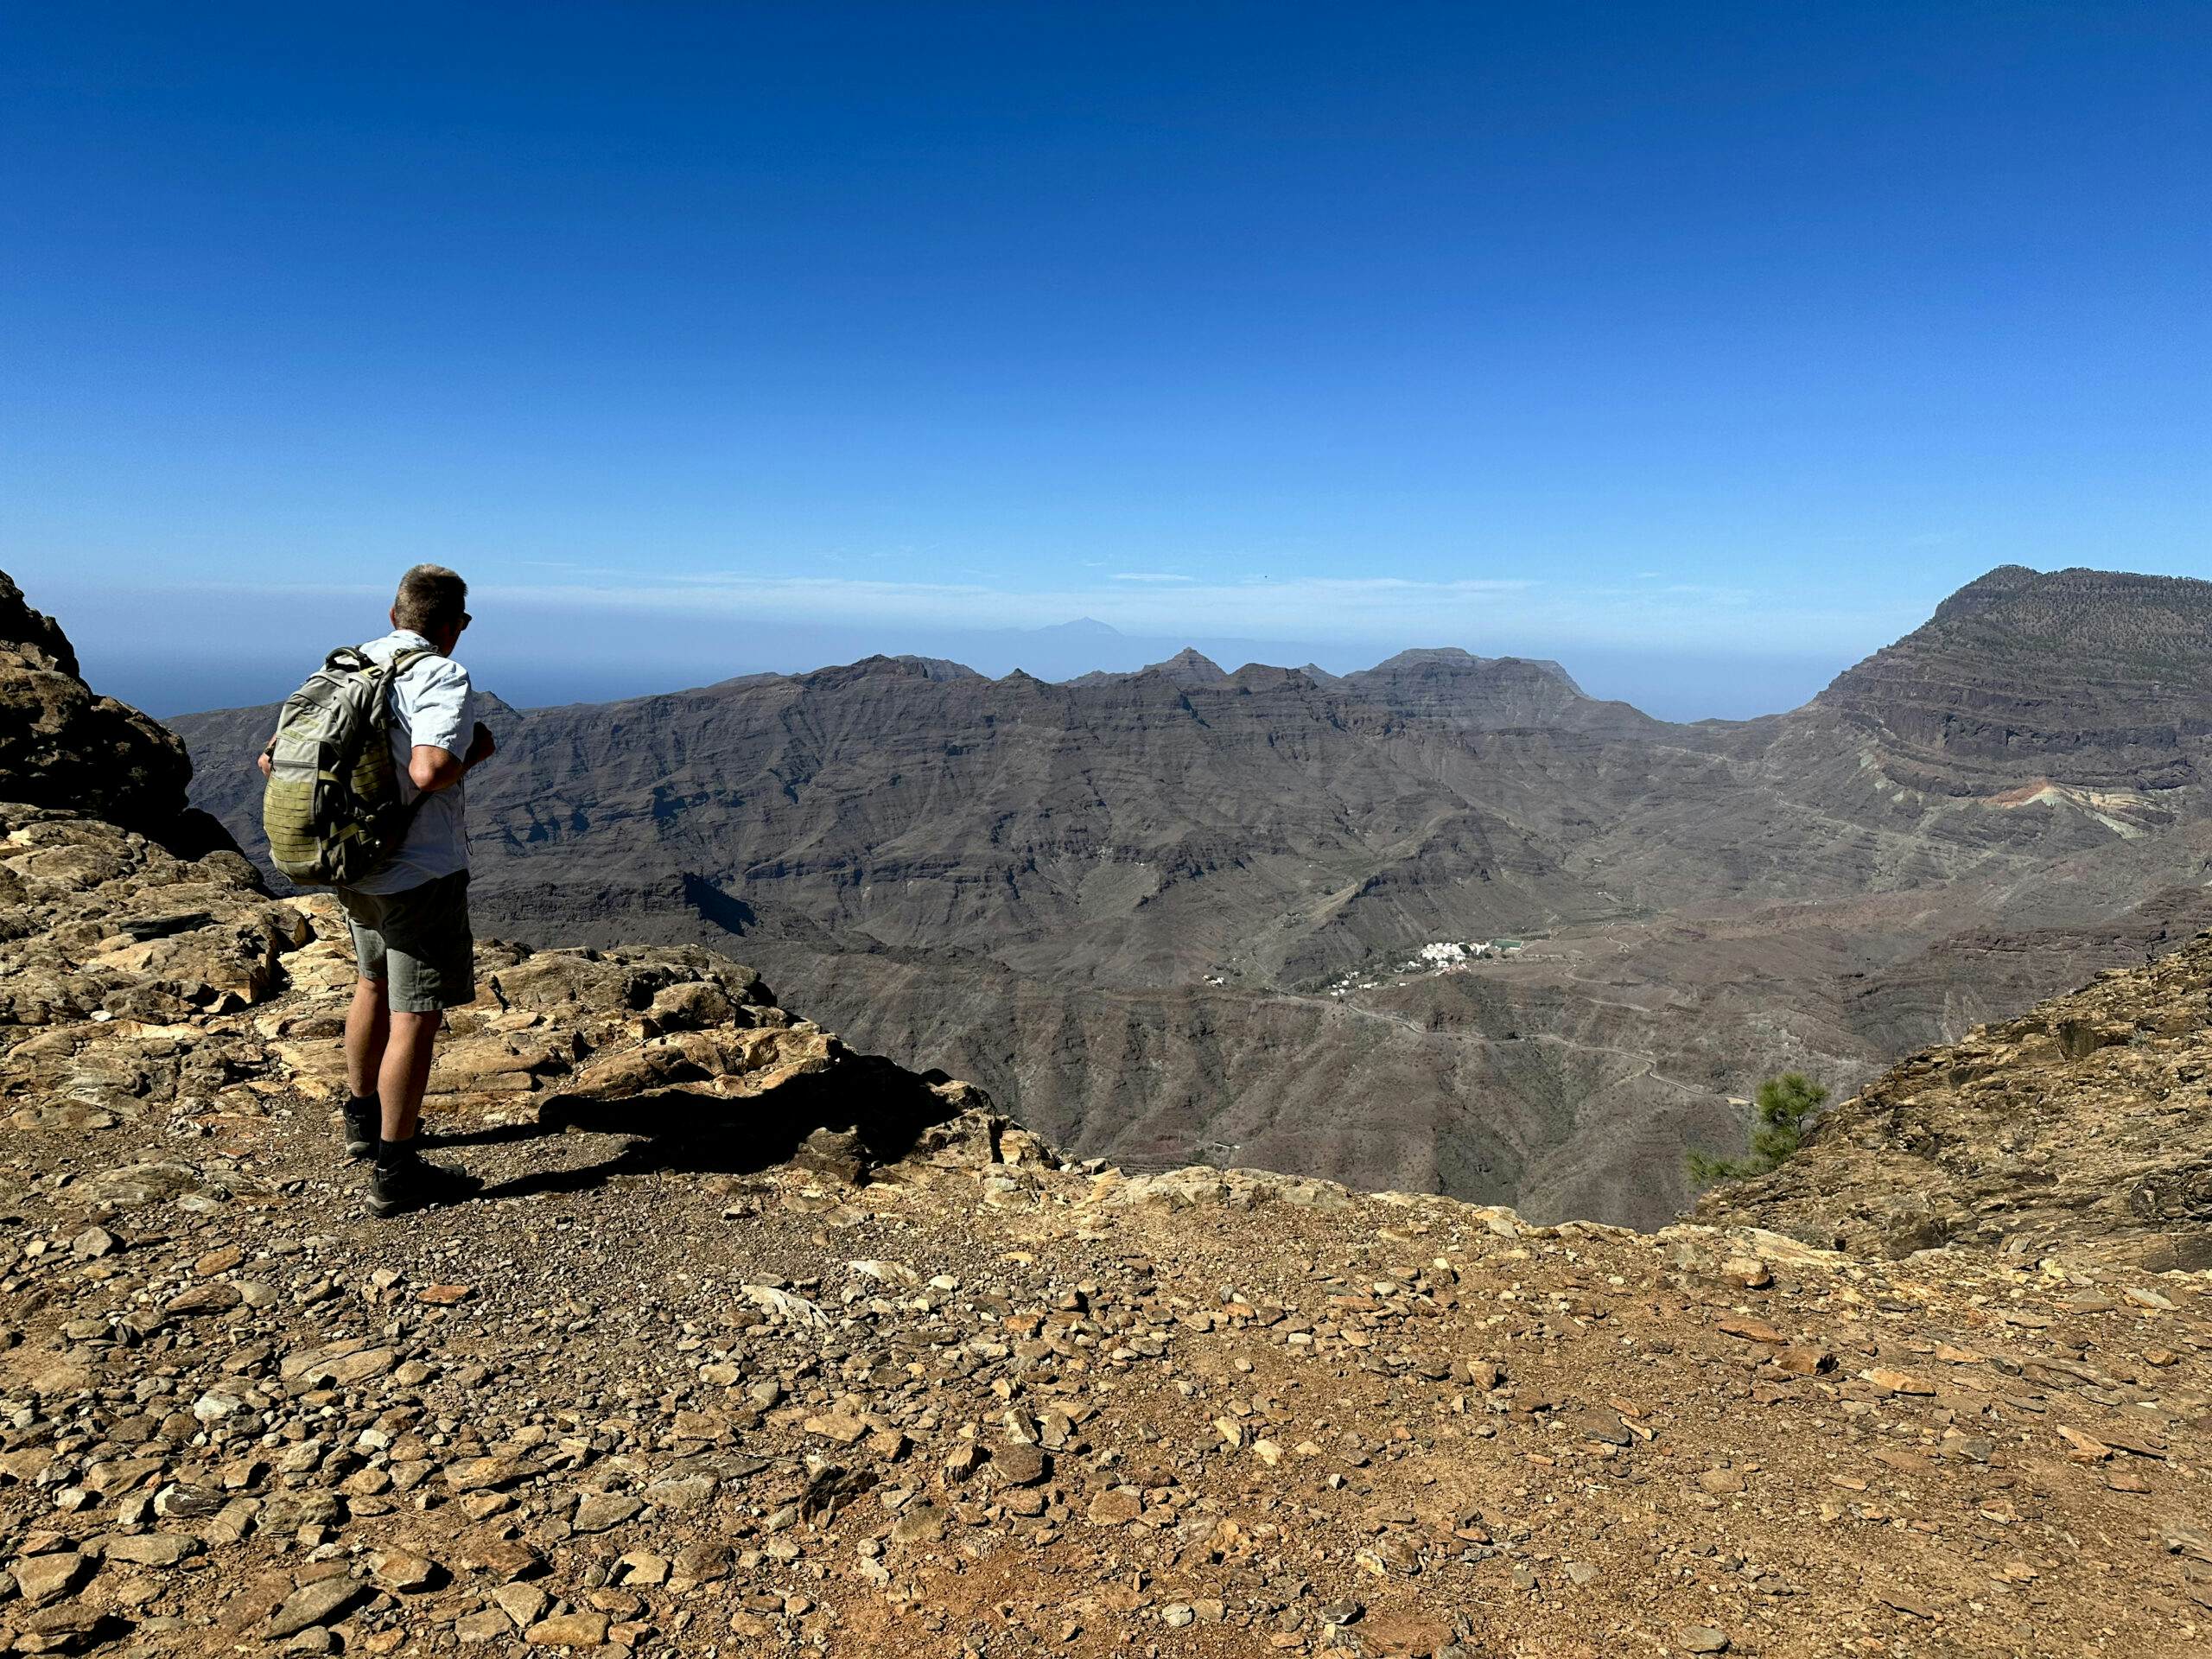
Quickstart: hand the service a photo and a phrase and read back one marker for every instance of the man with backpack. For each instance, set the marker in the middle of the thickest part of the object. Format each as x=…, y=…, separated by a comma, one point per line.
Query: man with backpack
x=365, y=795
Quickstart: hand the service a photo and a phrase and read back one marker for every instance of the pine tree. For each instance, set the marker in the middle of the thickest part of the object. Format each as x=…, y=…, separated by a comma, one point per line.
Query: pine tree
x=1784, y=1104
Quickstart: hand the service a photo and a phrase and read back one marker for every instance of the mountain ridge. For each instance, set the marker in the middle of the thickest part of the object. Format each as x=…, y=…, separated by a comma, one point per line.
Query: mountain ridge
x=1200, y=901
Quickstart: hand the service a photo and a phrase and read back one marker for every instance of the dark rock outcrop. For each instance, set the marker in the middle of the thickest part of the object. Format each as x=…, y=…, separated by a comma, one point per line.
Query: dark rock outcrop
x=63, y=745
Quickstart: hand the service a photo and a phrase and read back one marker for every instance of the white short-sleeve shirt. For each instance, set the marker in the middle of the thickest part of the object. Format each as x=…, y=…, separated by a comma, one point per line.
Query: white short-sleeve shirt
x=432, y=703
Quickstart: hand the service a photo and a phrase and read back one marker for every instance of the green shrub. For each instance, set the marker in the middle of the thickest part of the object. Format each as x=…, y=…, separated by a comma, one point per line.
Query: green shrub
x=1784, y=1104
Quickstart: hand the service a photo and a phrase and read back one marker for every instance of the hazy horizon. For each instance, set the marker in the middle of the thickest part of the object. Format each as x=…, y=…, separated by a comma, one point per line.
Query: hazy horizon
x=253, y=649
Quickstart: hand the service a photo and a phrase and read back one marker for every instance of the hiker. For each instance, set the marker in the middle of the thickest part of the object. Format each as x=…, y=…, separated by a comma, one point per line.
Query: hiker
x=409, y=910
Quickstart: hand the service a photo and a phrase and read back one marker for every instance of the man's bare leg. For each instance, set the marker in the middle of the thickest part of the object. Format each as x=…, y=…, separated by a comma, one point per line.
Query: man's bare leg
x=368, y=1024
x=402, y=1179
x=406, y=1072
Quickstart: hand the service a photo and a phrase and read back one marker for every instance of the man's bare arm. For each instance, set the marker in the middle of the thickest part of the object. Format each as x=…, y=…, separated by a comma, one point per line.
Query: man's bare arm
x=430, y=768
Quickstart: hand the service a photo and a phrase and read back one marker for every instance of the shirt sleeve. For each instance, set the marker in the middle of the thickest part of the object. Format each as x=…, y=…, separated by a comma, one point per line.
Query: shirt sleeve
x=436, y=704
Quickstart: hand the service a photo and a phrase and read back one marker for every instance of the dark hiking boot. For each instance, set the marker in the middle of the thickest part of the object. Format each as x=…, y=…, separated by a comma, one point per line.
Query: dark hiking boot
x=411, y=1184
x=363, y=1123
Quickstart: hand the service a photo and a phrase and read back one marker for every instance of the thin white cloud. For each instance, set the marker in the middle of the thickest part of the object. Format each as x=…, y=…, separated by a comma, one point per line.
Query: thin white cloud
x=1148, y=575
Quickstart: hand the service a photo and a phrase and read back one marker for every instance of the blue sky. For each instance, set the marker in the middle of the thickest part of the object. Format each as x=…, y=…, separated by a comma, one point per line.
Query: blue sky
x=1711, y=344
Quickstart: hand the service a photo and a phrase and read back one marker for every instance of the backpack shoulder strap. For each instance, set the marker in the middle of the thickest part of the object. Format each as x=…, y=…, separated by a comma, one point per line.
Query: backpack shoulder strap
x=400, y=663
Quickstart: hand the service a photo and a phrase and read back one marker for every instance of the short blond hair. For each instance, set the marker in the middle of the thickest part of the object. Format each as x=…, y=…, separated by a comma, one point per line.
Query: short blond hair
x=431, y=599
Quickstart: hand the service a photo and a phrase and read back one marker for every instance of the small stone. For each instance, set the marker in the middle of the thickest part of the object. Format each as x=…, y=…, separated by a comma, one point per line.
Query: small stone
x=839, y=1425
x=92, y=1243
x=47, y=1577
x=1116, y=1506
x=476, y=1629
x=152, y=1548
x=488, y=1474
x=1701, y=1638
x=1799, y=1360
x=403, y=1570
x=1020, y=1465
x=350, y=1368
x=597, y=1511
x=922, y=1524
x=568, y=1630
x=205, y=1299
x=1605, y=1426
x=703, y=1563
x=314, y=1604
x=683, y=1493
x=523, y=1603
x=1898, y=1382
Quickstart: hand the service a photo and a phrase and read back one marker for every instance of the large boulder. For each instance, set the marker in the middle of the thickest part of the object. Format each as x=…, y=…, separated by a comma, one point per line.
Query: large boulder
x=62, y=745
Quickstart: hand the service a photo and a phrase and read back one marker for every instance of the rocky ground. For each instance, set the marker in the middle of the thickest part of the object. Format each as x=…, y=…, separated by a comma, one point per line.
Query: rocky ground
x=2083, y=1126
x=755, y=1345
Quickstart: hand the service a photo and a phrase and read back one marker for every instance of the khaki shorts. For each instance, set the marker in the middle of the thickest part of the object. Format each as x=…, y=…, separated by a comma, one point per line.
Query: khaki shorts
x=417, y=943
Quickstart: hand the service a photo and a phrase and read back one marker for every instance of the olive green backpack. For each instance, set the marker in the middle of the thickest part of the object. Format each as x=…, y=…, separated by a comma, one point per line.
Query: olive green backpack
x=331, y=811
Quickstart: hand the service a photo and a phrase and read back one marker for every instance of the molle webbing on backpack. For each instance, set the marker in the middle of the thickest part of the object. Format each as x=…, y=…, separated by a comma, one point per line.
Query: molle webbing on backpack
x=332, y=809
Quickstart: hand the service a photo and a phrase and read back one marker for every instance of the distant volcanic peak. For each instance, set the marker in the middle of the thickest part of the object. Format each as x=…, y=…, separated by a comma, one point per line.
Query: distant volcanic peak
x=1081, y=627
x=2094, y=680
x=1320, y=675
x=1549, y=669
x=1264, y=677
x=1189, y=667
